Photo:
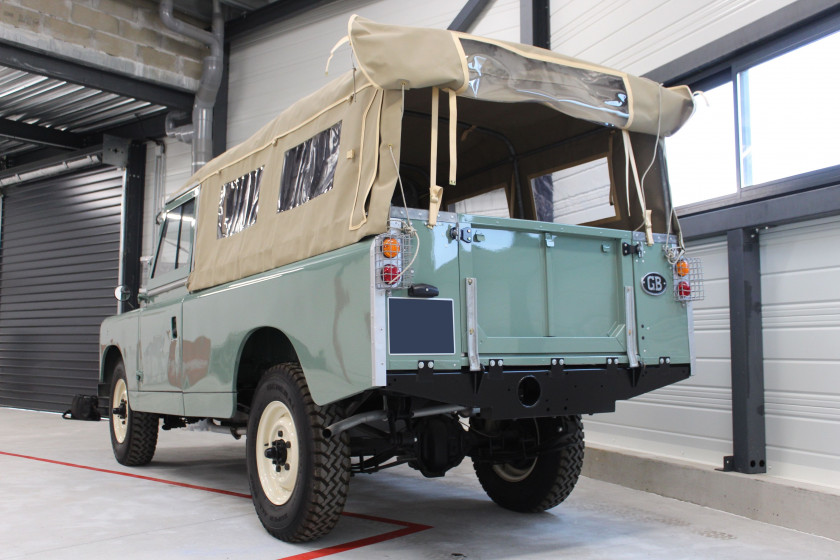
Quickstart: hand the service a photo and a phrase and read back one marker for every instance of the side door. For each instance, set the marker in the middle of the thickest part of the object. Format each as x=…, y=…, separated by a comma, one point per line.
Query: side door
x=160, y=375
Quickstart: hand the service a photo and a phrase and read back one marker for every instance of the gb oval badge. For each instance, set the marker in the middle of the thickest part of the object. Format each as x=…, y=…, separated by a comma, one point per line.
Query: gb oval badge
x=654, y=284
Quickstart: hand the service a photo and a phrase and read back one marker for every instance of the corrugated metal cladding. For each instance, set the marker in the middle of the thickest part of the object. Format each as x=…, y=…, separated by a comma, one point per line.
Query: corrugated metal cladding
x=692, y=419
x=800, y=273
x=59, y=264
x=50, y=103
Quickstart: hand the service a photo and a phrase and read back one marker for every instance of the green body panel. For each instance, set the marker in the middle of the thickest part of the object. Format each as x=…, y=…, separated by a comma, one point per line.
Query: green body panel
x=661, y=320
x=543, y=291
x=321, y=304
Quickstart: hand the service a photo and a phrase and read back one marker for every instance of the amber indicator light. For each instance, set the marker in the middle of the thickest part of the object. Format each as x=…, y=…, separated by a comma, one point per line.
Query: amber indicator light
x=390, y=247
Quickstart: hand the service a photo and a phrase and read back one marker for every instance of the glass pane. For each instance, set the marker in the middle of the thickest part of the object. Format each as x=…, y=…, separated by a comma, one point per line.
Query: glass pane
x=788, y=119
x=576, y=195
x=186, y=235
x=701, y=158
x=309, y=168
x=168, y=248
x=239, y=204
x=493, y=203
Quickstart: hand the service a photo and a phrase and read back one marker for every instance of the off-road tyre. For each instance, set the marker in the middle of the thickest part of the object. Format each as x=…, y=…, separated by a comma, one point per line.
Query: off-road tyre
x=133, y=434
x=542, y=483
x=303, y=501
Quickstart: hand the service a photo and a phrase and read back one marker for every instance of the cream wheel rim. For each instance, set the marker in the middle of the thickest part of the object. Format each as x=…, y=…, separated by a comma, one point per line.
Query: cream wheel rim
x=511, y=473
x=120, y=423
x=278, y=453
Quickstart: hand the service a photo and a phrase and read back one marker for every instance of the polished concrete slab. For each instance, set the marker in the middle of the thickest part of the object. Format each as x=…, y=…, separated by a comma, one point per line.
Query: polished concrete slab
x=63, y=496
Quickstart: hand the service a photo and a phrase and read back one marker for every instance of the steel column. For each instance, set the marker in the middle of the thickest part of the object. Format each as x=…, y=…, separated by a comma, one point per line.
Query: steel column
x=132, y=228
x=535, y=23
x=468, y=15
x=747, y=354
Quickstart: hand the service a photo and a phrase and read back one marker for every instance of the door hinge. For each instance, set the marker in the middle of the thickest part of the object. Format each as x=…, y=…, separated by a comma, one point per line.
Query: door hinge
x=627, y=249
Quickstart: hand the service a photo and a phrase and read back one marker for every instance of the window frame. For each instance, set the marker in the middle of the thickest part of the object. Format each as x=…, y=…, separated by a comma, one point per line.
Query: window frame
x=178, y=276
x=728, y=70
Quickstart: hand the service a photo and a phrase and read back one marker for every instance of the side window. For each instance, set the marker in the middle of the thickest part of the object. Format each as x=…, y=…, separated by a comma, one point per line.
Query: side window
x=309, y=169
x=579, y=194
x=239, y=203
x=176, y=242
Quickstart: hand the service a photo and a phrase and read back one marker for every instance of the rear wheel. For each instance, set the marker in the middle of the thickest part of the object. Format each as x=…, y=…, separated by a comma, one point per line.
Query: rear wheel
x=299, y=479
x=133, y=434
x=535, y=484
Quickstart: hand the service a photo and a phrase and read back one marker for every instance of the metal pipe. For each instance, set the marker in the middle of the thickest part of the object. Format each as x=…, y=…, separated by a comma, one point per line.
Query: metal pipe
x=365, y=417
x=200, y=132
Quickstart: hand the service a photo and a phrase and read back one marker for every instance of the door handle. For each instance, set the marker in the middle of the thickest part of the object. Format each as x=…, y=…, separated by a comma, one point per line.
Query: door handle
x=174, y=328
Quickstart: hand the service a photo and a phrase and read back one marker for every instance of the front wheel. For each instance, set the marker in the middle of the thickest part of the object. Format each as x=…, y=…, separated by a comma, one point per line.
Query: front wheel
x=133, y=434
x=532, y=485
x=299, y=479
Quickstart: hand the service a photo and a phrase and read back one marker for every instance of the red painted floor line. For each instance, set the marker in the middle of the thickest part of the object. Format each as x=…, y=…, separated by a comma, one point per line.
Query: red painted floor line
x=408, y=528
x=131, y=475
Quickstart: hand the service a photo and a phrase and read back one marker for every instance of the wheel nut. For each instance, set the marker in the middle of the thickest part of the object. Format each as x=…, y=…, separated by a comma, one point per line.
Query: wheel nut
x=286, y=466
x=280, y=434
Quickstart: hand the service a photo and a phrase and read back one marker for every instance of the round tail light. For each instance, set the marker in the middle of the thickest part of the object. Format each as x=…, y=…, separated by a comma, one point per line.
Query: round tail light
x=390, y=273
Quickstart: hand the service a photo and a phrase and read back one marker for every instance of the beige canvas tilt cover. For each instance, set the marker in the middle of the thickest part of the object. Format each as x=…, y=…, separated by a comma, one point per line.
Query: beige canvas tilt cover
x=369, y=107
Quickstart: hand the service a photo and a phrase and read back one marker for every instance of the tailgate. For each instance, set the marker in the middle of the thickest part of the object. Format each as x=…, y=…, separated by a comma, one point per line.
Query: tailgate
x=541, y=288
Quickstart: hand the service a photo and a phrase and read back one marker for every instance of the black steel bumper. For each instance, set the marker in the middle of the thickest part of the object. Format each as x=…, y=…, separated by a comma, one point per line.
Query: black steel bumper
x=505, y=393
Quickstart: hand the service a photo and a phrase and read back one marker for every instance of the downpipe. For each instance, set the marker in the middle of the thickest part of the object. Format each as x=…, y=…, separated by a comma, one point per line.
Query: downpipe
x=365, y=417
x=200, y=132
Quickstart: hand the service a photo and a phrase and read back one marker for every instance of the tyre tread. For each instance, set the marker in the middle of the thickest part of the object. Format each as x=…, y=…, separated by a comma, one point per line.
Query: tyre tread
x=331, y=457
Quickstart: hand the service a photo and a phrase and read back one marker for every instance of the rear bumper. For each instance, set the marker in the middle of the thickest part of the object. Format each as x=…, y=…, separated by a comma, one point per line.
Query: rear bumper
x=504, y=393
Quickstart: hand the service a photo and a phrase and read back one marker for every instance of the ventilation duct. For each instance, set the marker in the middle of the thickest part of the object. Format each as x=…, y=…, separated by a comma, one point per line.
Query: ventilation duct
x=200, y=132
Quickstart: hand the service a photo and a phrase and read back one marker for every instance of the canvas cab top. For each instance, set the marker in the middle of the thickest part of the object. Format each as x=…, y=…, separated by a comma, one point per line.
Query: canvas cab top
x=453, y=115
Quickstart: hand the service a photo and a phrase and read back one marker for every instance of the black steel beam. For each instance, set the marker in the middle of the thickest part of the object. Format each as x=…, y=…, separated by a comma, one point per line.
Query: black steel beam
x=132, y=242
x=535, y=23
x=468, y=15
x=807, y=205
x=148, y=128
x=272, y=13
x=41, y=135
x=46, y=65
x=747, y=354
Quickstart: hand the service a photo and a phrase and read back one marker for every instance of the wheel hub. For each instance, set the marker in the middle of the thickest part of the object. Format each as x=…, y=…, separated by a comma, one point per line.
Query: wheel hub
x=278, y=452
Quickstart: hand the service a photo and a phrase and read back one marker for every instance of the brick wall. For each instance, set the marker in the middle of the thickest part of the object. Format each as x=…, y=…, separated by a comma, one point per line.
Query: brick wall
x=126, y=36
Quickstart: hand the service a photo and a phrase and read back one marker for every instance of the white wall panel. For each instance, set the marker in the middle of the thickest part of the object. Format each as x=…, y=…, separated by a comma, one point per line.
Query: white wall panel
x=178, y=163
x=800, y=266
x=275, y=67
x=693, y=419
x=642, y=35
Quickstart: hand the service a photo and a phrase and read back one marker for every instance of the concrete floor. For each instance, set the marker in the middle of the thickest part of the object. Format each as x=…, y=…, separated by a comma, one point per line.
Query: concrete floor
x=55, y=509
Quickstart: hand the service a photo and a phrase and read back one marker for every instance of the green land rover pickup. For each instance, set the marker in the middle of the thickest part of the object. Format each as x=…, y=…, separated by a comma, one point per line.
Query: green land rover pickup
x=317, y=290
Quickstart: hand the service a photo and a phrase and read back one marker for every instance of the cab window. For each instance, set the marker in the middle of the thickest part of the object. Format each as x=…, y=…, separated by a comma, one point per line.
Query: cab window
x=176, y=241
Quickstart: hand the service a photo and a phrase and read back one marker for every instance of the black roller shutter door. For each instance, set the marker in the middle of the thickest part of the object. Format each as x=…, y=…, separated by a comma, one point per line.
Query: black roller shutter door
x=59, y=265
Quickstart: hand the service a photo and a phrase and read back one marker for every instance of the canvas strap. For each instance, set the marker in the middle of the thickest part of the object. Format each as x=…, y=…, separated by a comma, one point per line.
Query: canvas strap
x=436, y=191
x=630, y=163
x=342, y=41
